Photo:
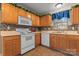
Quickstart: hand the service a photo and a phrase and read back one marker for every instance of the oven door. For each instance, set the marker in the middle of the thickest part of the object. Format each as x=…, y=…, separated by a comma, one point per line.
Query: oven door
x=27, y=43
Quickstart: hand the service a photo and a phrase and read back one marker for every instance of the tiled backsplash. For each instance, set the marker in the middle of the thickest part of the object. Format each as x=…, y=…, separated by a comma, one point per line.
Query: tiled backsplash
x=56, y=26
x=7, y=27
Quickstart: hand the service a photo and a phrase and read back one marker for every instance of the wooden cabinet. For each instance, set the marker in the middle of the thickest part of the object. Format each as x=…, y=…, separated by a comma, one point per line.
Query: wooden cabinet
x=53, y=39
x=35, y=20
x=45, y=20
x=23, y=13
x=72, y=44
x=59, y=41
x=75, y=15
x=11, y=45
x=37, y=39
x=67, y=43
x=77, y=45
x=0, y=17
x=9, y=14
x=56, y=41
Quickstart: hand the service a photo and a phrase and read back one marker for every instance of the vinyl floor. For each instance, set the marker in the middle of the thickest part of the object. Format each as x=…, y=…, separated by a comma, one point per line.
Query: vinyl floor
x=43, y=51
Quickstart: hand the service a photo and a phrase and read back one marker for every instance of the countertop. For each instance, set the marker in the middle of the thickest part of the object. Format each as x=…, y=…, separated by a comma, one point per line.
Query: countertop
x=37, y=32
x=9, y=33
x=62, y=32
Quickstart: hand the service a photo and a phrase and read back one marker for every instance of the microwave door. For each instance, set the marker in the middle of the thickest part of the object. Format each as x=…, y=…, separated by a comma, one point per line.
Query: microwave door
x=24, y=21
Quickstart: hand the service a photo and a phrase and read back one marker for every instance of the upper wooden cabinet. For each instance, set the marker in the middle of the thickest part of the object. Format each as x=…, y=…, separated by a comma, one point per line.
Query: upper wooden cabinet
x=35, y=20
x=9, y=14
x=45, y=20
x=75, y=16
x=23, y=13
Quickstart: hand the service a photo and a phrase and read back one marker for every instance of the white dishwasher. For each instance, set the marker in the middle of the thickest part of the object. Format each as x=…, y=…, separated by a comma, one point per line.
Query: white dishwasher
x=45, y=39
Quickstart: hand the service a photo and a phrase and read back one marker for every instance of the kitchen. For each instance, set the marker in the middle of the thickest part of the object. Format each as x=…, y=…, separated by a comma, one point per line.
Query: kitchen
x=43, y=29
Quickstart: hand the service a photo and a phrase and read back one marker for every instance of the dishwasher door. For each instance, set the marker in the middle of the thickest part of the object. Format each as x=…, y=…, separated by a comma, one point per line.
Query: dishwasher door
x=45, y=39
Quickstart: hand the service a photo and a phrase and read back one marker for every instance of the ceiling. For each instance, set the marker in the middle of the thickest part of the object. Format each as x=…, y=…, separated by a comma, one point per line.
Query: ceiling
x=44, y=8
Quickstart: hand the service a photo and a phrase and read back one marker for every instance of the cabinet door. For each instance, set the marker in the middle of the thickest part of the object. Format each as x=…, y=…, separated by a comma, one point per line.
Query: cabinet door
x=37, y=39
x=16, y=45
x=59, y=41
x=73, y=44
x=9, y=14
x=35, y=20
x=75, y=15
x=53, y=39
x=21, y=12
x=0, y=17
x=46, y=20
x=43, y=21
x=7, y=46
x=70, y=44
x=77, y=49
x=11, y=46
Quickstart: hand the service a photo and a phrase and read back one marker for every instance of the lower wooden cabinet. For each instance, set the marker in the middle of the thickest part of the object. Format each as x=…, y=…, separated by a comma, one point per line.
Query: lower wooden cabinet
x=53, y=41
x=37, y=39
x=77, y=47
x=56, y=41
x=11, y=45
x=67, y=43
x=72, y=44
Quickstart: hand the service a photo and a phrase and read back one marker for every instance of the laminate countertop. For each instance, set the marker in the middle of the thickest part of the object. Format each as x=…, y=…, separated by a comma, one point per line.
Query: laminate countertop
x=62, y=32
x=37, y=32
x=9, y=33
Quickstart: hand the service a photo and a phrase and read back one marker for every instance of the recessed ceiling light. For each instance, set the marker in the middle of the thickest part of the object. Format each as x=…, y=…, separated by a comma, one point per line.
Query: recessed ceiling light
x=58, y=5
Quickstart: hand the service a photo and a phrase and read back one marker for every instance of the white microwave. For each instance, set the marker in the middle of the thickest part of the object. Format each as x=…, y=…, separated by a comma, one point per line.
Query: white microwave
x=24, y=21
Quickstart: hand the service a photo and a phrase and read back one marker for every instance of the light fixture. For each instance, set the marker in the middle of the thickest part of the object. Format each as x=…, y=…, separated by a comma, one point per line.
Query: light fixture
x=58, y=5
x=29, y=16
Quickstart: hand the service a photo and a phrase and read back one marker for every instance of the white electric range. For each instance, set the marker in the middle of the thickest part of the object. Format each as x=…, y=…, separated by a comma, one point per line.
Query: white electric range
x=27, y=40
